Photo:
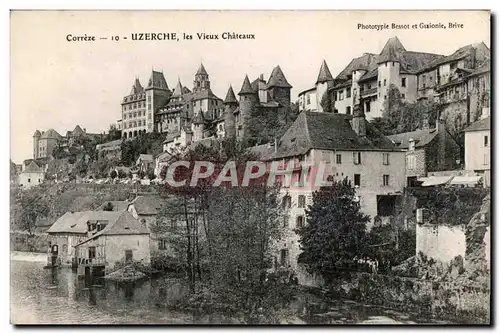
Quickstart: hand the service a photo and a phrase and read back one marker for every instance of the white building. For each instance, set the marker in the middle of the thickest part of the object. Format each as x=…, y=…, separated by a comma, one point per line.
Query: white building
x=31, y=176
x=478, y=149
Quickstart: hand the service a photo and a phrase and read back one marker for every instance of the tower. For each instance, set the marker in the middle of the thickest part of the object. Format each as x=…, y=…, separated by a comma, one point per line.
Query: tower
x=279, y=89
x=201, y=81
x=249, y=100
x=325, y=80
x=230, y=104
x=198, y=126
x=157, y=94
x=36, y=138
x=389, y=67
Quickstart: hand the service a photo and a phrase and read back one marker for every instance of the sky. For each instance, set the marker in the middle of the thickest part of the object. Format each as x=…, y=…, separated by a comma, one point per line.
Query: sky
x=59, y=84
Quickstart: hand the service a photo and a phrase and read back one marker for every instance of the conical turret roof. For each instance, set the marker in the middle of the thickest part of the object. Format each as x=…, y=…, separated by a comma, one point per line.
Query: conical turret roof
x=277, y=79
x=178, y=89
x=230, y=97
x=201, y=70
x=246, y=88
x=324, y=73
x=37, y=133
x=391, y=51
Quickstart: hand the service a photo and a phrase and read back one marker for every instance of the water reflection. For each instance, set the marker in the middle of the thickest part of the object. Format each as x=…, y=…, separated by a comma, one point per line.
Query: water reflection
x=58, y=296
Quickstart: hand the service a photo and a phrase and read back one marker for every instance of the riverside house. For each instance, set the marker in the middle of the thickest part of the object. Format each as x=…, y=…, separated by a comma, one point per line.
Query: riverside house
x=118, y=239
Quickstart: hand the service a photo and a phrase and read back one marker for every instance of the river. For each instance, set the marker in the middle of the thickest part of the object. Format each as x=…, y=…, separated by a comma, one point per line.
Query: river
x=45, y=296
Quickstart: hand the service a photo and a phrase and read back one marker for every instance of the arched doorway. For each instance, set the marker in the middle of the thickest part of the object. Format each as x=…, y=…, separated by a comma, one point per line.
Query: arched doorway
x=125, y=135
x=135, y=133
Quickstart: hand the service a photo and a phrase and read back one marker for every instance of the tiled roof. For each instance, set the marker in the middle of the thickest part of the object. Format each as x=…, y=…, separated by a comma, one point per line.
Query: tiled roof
x=392, y=50
x=178, y=89
x=230, y=97
x=76, y=222
x=262, y=152
x=123, y=224
x=483, y=124
x=204, y=94
x=137, y=87
x=32, y=168
x=51, y=134
x=459, y=54
x=277, y=79
x=366, y=62
x=146, y=205
x=324, y=74
x=327, y=131
x=413, y=62
x=37, y=133
x=421, y=137
x=246, y=88
x=77, y=131
x=157, y=80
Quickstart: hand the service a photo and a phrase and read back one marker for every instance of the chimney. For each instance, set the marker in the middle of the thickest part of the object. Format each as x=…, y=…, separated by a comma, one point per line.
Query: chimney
x=359, y=121
x=85, y=130
x=261, y=77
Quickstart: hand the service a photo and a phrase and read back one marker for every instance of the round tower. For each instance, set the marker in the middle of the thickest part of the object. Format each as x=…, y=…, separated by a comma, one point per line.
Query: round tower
x=198, y=126
x=325, y=81
x=249, y=100
x=36, y=138
x=231, y=104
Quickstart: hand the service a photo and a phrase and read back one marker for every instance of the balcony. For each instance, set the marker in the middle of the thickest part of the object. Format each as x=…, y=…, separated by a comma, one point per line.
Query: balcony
x=369, y=92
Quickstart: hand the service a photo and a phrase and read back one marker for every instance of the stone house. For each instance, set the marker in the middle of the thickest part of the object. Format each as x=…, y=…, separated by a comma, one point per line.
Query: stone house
x=111, y=239
x=427, y=150
x=478, y=149
x=350, y=147
x=145, y=162
x=32, y=175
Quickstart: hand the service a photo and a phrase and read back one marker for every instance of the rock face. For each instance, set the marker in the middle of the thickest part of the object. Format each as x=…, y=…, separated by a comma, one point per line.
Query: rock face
x=477, y=254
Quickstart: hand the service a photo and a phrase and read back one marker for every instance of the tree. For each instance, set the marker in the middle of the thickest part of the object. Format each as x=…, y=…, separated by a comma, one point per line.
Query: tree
x=141, y=174
x=121, y=174
x=32, y=205
x=336, y=229
x=113, y=174
x=113, y=133
x=108, y=207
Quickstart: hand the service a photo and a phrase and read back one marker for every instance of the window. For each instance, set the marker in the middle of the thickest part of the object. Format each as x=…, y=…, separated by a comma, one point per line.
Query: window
x=39, y=181
x=284, y=257
x=341, y=95
x=411, y=162
x=286, y=202
x=149, y=98
x=385, y=97
x=385, y=180
x=128, y=255
x=357, y=179
x=299, y=222
x=338, y=158
x=92, y=252
x=385, y=81
x=348, y=92
x=285, y=221
x=29, y=180
x=308, y=99
x=385, y=158
x=348, y=110
x=403, y=82
x=335, y=111
x=162, y=244
x=403, y=96
x=380, y=83
x=367, y=106
x=356, y=158
x=485, y=141
x=411, y=144
x=302, y=201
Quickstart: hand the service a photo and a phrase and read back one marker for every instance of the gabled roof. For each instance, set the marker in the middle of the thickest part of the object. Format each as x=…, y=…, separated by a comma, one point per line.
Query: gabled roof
x=157, y=80
x=366, y=62
x=204, y=94
x=324, y=74
x=77, y=131
x=76, y=222
x=51, y=134
x=421, y=138
x=146, y=205
x=277, y=79
x=201, y=70
x=122, y=224
x=413, y=62
x=230, y=97
x=32, y=168
x=483, y=124
x=246, y=88
x=327, y=131
x=463, y=52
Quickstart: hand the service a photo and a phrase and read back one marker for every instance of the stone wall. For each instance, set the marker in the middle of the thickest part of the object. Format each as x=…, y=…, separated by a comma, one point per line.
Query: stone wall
x=442, y=243
x=455, y=301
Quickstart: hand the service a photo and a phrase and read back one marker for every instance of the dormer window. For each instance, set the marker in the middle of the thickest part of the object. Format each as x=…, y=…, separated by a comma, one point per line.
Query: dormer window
x=411, y=144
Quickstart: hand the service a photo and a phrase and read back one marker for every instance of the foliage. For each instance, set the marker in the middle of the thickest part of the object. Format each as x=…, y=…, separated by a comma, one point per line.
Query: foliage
x=335, y=230
x=121, y=174
x=108, y=207
x=113, y=174
x=29, y=206
x=113, y=133
x=402, y=116
x=148, y=143
x=150, y=175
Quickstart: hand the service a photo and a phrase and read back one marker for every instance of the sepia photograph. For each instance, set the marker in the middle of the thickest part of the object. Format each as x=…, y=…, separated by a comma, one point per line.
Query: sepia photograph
x=218, y=167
